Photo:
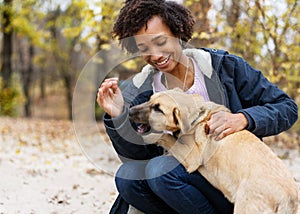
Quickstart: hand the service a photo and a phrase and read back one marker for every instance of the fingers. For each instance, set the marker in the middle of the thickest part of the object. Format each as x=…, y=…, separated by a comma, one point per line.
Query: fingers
x=108, y=85
x=217, y=121
x=222, y=132
x=221, y=125
x=107, y=89
x=110, y=98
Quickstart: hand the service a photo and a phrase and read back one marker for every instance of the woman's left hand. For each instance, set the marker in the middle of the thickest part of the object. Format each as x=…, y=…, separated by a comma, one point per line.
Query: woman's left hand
x=223, y=123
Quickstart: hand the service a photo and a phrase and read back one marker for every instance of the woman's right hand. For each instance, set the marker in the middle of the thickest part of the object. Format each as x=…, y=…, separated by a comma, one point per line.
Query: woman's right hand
x=110, y=98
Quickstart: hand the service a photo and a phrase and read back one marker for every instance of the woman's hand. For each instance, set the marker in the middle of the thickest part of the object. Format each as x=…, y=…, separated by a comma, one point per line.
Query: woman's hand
x=110, y=98
x=223, y=123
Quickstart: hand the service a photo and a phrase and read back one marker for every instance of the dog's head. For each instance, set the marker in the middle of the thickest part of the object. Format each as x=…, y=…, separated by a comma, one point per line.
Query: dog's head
x=173, y=110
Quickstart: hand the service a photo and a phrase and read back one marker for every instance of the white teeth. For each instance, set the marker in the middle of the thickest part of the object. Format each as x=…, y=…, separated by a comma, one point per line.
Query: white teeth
x=163, y=62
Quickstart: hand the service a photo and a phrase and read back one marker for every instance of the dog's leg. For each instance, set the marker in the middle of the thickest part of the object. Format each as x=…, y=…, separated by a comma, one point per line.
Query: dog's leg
x=249, y=200
x=167, y=141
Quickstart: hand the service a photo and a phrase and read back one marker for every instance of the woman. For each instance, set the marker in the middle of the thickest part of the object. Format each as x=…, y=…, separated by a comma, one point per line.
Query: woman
x=148, y=180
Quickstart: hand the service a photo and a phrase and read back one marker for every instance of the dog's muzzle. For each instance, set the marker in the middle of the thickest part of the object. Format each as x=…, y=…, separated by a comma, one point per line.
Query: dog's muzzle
x=139, y=114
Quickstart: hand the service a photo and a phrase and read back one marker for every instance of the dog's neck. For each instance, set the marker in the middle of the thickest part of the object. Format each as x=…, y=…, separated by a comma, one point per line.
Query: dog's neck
x=210, y=146
x=176, y=134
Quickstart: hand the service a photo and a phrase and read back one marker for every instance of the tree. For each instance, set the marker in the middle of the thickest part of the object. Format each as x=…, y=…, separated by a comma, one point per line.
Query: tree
x=204, y=33
x=28, y=37
x=280, y=34
x=26, y=73
x=66, y=28
x=7, y=43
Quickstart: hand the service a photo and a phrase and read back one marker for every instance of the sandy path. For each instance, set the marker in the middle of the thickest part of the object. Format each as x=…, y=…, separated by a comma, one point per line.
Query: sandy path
x=43, y=170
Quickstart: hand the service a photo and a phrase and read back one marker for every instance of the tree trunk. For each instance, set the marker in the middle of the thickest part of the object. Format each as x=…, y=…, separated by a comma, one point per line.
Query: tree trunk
x=200, y=11
x=6, y=67
x=69, y=89
x=27, y=82
x=233, y=15
x=42, y=83
x=26, y=54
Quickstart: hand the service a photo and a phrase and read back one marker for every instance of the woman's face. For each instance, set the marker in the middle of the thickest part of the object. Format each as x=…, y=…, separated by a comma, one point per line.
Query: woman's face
x=158, y=45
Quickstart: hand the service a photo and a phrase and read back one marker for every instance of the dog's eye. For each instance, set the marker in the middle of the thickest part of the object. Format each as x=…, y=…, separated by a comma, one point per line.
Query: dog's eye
x=156, y=108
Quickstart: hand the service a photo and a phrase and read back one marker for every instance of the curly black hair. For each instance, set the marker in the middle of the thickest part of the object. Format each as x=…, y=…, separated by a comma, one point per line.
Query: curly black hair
x=136, y=13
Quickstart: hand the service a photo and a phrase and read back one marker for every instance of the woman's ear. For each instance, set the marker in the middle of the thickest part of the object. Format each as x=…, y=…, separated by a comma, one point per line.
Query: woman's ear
x=180, y=42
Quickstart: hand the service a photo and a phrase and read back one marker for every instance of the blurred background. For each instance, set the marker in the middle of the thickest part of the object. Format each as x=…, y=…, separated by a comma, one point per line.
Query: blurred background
x=45, y=44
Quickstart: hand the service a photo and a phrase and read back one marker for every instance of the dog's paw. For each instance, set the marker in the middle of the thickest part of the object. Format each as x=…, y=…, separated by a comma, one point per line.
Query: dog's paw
x=152, y=137
x=166, y=138
x=191, y=168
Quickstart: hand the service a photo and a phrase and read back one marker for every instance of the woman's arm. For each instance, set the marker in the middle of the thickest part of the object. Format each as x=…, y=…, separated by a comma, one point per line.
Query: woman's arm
x=257, y=104
x=127, y=143
x=268, y=109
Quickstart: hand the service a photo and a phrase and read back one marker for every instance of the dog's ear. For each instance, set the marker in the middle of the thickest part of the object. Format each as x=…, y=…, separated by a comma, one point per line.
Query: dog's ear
x=211, y=106
x=181, y=120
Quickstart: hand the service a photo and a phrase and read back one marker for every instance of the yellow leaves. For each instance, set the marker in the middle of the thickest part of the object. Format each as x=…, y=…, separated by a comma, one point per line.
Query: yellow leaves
x=293, y=78
x=105, y=47
x=79, y=4
x=22, y=142
x=47, y=162
x=201, y=35
x=23, y=26
x=189, y=3
x=72, y=32
x=9, y=99
x=130, y=64
x=6, y=130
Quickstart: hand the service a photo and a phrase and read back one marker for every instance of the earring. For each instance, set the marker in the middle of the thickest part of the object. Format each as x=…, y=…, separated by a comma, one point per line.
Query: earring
x=180, y=42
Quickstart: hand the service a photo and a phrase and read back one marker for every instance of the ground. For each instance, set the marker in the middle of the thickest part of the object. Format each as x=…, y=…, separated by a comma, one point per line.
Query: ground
x=44, y=168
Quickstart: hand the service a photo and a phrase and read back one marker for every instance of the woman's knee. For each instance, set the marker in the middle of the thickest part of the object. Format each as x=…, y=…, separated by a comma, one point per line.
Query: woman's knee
x=160, y=166
x=134, y=170
x=125, y=187
x=128, y=180
x=164, y=173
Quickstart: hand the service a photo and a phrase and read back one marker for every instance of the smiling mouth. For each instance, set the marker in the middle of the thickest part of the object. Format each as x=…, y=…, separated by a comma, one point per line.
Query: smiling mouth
x=163, y=62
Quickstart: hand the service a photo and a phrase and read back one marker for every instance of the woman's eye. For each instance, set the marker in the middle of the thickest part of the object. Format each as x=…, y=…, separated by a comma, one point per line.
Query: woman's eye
x=161, y=43
x=144, y=50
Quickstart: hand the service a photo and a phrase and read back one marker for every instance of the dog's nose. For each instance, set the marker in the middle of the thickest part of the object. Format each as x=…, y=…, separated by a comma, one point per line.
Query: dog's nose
x=131, y=112
x=139, y=113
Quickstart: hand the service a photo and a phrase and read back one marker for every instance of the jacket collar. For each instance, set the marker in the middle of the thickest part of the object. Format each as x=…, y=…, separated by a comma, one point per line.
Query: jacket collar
x=207, y=59
x=201, y=57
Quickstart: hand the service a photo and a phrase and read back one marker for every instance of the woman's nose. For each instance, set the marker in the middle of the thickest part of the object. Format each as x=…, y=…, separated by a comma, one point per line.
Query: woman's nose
x=156, y=53
x=155, y=57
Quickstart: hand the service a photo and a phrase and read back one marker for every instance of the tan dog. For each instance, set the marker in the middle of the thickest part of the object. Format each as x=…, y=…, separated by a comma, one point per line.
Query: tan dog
x=240, y=165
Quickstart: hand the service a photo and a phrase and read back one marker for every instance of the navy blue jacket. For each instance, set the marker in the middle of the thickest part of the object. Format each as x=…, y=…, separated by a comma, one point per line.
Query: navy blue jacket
x=233, y=83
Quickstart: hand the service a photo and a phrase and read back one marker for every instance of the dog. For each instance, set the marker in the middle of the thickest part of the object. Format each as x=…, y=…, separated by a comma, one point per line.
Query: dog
x=240, y=165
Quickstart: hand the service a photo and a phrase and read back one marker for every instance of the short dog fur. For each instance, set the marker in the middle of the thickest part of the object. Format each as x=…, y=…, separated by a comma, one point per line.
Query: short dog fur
x=240, y=165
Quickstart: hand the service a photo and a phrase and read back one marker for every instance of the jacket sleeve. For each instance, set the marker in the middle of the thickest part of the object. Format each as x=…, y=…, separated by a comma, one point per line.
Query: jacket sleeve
x=268, y=109
x=126, y=141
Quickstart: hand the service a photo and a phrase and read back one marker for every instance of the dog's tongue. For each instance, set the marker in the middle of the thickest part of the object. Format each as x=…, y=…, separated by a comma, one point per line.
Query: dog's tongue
x=143, y=128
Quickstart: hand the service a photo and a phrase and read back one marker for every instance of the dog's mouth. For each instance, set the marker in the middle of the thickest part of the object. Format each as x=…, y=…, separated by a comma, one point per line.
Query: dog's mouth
x=143, y=128
x=146, y=129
